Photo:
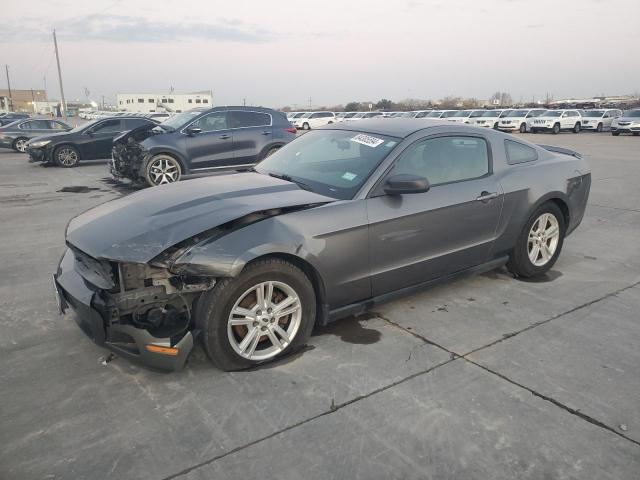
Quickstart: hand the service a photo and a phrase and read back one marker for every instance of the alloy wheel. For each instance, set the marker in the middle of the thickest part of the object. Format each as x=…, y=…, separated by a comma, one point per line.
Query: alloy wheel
x=67, y=157
x=543, y=239
x=164, y=170
x=264, y=320
x=21, y=145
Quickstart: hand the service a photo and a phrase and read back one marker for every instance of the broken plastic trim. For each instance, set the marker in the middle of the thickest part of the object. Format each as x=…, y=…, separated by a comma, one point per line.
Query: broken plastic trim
x=167, y=258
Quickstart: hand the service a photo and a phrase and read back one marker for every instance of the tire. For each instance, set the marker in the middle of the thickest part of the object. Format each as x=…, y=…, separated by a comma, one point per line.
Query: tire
x=599, y=128
x=66, y=156
x=162, y=169
x=270, y=152
x=523, y=128
x=556, y=129
x=615, y=134
x=576, y=128
x=306, y=126
x=20, y=144
x=520, y=262
x=495, y=126
x=223, y=342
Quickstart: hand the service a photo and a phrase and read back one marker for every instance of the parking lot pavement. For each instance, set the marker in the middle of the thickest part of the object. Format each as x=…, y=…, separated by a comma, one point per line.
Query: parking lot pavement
x=487, y=377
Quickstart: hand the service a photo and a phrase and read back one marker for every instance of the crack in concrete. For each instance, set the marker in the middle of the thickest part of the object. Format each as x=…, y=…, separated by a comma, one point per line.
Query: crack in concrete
x=551, y=400
x=333, y=408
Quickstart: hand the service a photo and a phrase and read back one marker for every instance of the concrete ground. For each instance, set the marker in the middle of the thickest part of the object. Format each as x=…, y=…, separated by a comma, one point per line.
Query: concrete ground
x=484, y=378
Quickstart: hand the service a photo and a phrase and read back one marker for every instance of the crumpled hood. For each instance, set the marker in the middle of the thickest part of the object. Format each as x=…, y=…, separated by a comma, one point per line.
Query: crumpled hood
x=140, y=226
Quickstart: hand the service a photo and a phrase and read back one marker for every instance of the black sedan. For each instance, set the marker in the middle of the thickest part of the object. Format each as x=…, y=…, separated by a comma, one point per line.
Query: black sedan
x=214, y=139
x=338, y=220
x=16, y=134
x=90, y=141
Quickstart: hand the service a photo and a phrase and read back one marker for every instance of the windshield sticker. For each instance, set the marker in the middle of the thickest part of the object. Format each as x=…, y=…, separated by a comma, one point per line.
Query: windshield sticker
x=367, y=140
x=349, y=176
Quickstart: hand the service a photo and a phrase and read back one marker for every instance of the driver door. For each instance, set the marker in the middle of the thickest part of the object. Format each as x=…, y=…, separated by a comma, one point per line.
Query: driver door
x=418, y=237
x=99, y=139
x=212, y=146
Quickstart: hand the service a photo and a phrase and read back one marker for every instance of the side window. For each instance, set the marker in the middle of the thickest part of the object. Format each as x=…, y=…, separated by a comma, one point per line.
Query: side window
x=131, y=123
x=249, y=119
x=519, y=153
x=445, y=159
x=108, y=126
x=212, y=122
x=26, y=126
x=40, y=125
x=53, y=125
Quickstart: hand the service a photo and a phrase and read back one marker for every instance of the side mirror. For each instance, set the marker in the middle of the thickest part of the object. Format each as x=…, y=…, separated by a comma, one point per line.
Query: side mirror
x=193, y=131
x=405, y=183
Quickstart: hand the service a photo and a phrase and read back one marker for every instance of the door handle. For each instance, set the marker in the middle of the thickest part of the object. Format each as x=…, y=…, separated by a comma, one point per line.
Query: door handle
x=486, y=196
x=266, y=132
x=224, y=137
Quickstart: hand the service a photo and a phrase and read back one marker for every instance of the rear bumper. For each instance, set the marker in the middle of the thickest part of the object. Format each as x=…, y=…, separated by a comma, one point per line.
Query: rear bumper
x=88, y=304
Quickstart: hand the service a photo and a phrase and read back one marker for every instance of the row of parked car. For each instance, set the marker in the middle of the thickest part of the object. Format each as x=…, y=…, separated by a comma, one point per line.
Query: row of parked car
x=510, y=120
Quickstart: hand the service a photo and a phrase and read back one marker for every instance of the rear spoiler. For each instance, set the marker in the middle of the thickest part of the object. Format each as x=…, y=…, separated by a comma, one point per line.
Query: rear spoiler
x=565, y=151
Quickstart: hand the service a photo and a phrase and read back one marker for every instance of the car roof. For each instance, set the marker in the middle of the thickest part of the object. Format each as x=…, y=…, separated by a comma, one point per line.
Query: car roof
x=239, y=108
x=400, y=128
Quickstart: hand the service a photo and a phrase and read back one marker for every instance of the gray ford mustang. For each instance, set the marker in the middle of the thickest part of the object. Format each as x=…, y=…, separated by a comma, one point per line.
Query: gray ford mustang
x=336, y=221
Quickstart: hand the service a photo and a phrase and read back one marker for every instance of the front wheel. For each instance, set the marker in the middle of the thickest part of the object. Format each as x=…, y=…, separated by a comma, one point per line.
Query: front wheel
x=539, y=243
x=306, y=126
x=576, y=128
x=266, y=312
x=66, y=156
x=556, y=129
x=599, y=128
x=20, y=145
x=162, y=169
x=523, y=128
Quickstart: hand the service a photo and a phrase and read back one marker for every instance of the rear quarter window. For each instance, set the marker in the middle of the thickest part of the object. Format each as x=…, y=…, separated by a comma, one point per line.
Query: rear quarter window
x=519, y=153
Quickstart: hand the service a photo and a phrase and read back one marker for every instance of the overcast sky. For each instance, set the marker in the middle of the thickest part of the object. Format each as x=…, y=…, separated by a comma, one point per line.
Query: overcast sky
x=277, y=53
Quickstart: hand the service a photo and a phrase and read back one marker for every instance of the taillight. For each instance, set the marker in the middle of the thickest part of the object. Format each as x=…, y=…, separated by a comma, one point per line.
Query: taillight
x=291, y=130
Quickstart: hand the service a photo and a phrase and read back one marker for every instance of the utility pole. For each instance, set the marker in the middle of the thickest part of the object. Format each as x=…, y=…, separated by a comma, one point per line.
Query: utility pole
x=45, y=87
x=64, y=103
x=9, y=85
x=309, y=103
x=244, y=102
x=102, y=102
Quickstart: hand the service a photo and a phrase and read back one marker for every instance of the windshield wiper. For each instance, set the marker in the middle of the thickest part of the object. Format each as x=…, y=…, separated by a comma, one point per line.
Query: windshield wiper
x=287, y=178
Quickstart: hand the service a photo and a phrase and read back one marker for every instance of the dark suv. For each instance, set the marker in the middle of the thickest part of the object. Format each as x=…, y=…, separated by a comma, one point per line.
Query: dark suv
x=220, y=138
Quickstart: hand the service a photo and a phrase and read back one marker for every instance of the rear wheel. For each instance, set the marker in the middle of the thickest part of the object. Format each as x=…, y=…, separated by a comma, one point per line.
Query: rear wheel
x=576, y=128
x=266, y=312
x=20, y=145
x=539, y=243
x=66, y=156
x=270, y=152
x=523, y=128
x=556, y=129
x=162, y=169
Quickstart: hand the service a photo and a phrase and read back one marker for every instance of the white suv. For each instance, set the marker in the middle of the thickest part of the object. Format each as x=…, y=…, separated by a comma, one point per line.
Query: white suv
x=555, y=121
x=488, y=118
x=519, y=120
x=629, y=122
x=461, y=116
x=314, y=120
x=599, y=120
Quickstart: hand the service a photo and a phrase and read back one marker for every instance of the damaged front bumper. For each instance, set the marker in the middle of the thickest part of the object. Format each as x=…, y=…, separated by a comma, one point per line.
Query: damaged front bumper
x=106, y=317
x=127, y=161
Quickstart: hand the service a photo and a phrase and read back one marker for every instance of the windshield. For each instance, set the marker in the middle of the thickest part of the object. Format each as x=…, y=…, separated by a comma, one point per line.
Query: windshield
x=592, y=113
x=478, y=113
x=535, y=113
x=334, y=163
x=349, y=115
x=359, y=115
x=462, y=113
x=179, y=120
x=552, y=113
x=492, y=113
x=632, y=113
x=516, y=113
x=449, y=114
x=434, y=115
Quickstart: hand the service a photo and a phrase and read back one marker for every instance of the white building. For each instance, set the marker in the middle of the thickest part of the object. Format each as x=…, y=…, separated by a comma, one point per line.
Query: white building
x=159, y=102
